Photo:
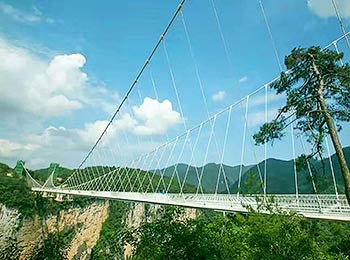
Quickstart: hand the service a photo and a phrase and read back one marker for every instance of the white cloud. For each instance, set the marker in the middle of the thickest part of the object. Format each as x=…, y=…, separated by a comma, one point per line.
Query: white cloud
x=69, y=146
x=125, y=123
x=243, y=79
x=31, y=86
x=92, y=131
x=64, y=75
x=325, y=9
x=35, y=16
x=258, y=118
x=9, y=149
x=156, y=117
x=219, y=96
x=259, y=99
x=150, y=118
x=34, y=90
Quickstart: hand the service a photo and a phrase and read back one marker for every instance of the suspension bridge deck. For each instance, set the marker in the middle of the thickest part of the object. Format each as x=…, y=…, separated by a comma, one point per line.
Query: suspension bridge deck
x=322, y=206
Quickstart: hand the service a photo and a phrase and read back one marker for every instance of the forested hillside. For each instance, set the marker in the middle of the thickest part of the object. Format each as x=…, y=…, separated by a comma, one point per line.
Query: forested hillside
x=280, y=175
x=97, y=229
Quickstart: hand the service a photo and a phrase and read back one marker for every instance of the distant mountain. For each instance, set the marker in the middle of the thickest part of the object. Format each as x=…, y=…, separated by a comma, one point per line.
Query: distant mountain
x=5, y=169
x=209, y=172
x=280, y=176
x=42, y=174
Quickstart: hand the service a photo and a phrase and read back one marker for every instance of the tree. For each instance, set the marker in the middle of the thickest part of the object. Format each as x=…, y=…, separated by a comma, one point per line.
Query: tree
x=172, y=236
x=252, y=236
x=318, y=98
x=52, y=247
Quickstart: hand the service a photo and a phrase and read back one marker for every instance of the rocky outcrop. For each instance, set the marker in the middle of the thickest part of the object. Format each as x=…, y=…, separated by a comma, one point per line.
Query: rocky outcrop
x=29, y=235
x=9, y=225
x=20, y=237
x=87, y=223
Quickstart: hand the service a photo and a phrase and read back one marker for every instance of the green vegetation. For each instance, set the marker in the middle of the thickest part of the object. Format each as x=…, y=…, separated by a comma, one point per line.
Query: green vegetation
x=11, y=250
x=280, y=177
x=236, y=236
x=317, y=87
x=53, y=246
x=132, y=180
x=110, y=242
x=42, y=174
x=210, y=175
x=15, y=192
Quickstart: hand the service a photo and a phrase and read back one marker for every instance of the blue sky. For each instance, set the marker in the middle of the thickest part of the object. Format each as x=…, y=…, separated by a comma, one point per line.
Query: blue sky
x=68, y=63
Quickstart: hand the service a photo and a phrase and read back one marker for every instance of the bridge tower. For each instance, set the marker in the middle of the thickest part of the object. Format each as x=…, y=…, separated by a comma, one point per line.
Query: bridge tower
x=19, y=168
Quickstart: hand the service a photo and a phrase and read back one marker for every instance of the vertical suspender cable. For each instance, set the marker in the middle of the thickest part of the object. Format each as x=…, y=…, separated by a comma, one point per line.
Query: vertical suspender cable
x=332, y=169
x=294, y=162
x=138, y=76
x=341, y=24
x=243, y=146
x=265, y=147
x=200, y=84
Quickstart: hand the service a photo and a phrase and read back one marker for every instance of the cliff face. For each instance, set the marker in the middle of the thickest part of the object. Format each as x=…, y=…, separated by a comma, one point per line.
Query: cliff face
x=87, y=224
x=29, y=236
x=9, y=225
x=20, y=237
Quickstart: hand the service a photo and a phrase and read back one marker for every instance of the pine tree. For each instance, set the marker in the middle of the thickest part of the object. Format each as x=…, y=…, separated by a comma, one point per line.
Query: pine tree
x=317, y=88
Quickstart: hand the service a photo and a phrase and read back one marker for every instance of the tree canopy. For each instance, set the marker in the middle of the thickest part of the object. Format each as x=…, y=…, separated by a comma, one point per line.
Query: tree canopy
x=317, y=88
x=301, y=84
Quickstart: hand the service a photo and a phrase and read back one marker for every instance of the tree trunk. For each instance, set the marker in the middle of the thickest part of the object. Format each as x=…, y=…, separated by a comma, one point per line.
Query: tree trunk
x=334, y=135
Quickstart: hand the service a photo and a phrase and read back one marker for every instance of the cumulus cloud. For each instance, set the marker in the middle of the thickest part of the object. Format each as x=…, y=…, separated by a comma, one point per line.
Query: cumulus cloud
x=9, y=149
x=150, y=118
x=155, y=117
x=243, y=79
x=31, y=86
x=40, y=90
x=63, y=74
x=34, y=90
x=92, y=131
x=69, y=146
x=34, y=16
x=325, y=9
x=219, y=96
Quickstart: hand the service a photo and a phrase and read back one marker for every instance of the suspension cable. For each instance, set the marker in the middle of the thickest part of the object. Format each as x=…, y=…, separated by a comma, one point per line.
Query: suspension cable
x=155, y=48
x=341, y=23
x=271, y=36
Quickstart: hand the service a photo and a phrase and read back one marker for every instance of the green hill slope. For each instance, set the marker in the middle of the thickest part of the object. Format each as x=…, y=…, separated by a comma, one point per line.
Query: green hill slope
x=42, y=174
x=210, y=174
x=280, y=176
x=14, y=191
